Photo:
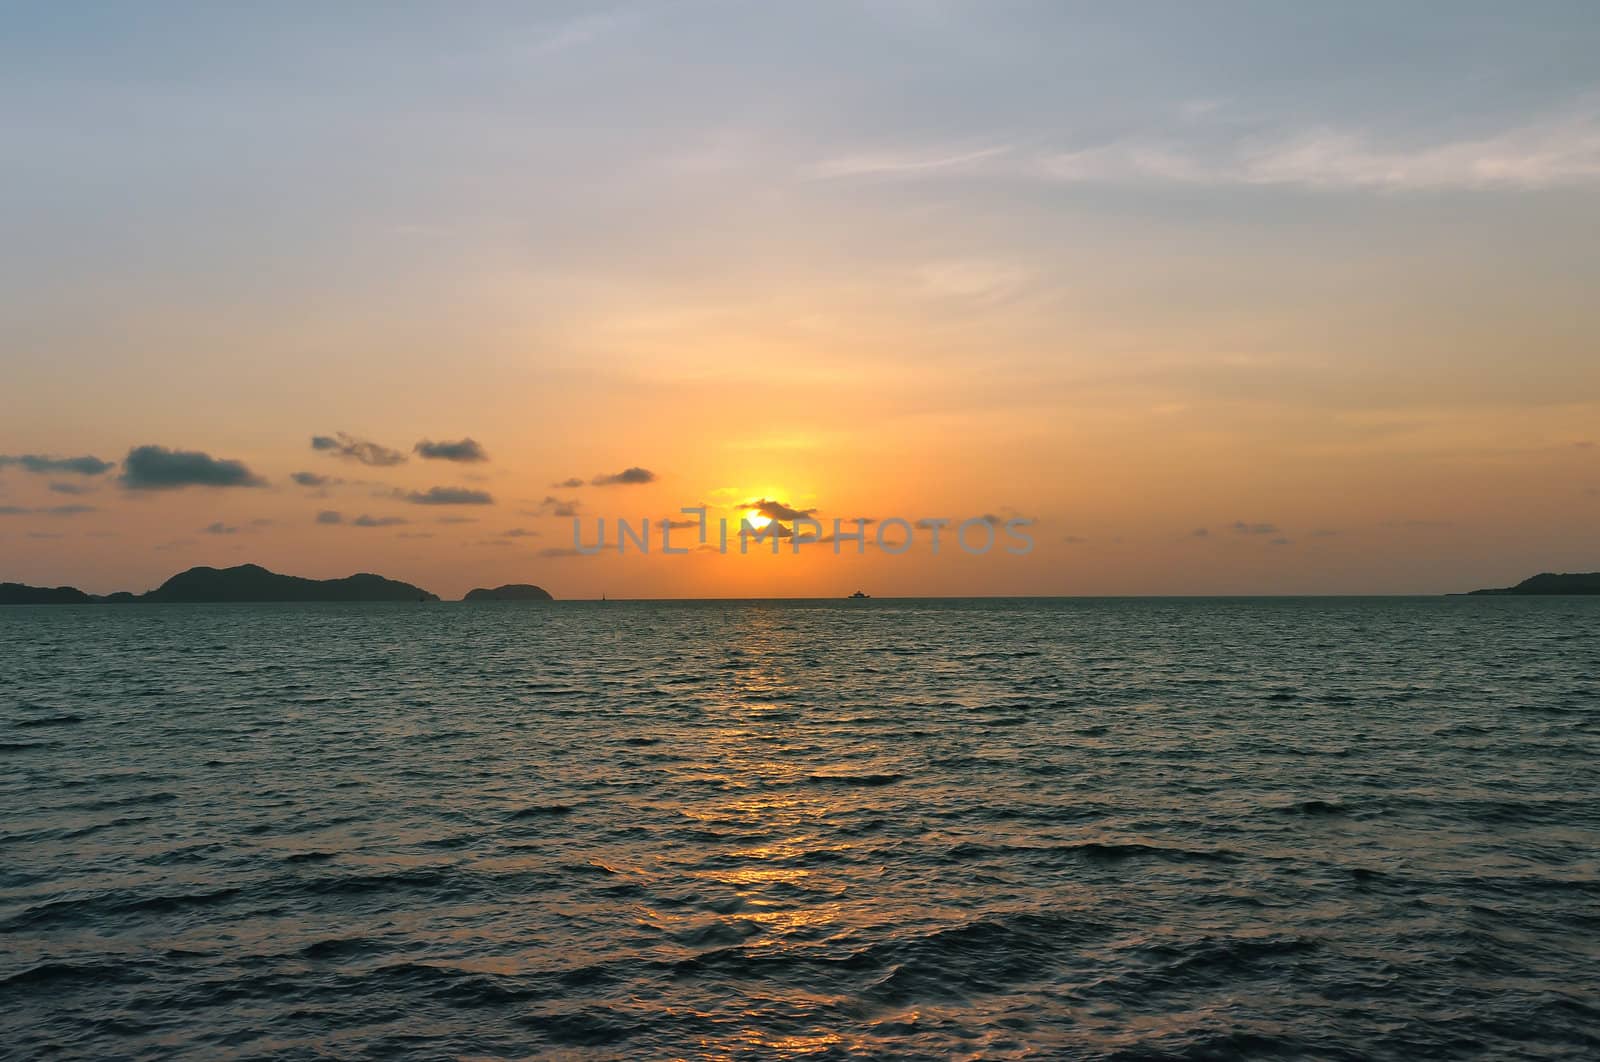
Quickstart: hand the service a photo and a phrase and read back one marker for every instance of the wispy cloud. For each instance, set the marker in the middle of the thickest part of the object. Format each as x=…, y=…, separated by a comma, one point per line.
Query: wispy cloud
x=351, y=448
x=1544, y=152
x=1209, y=146
x=449, y=496
x=45, y=464
x=902, y=163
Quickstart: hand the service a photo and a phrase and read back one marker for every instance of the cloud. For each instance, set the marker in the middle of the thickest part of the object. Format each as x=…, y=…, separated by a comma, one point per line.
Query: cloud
x=1212, y=147
x=970, y=279
x=776, y=510
x=262, y=521
x=902, y=164
x=553, y=506
x=56, y=510
x=70, y=488
x=450, y=496
x=560, y=551
x=1549, y=151
x=330, y=516
x=466, y=450
x=313, y=479
x=158, y=468
x=415, y=534
x=456, y=520
x=219, y=528
x=1200, y=532
x=519, y=532
x=363, y=450
x=627, y=477
x=677, y=524
x=45, y=465
x=570, y=484
x=1241, y=528
x=378, y=521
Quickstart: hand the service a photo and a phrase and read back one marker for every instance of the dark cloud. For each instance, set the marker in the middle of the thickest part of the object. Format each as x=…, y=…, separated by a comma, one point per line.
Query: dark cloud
x=776, y=509
x=559, y=551
x=772, y=530
x=553, y=506
x=467, y=450
x=1242, y=528
x=627, y=477
x=219, y=528
x=378, y=521
x=363, y=450
x=70, y=488
x=676, y=524
x=1200, y=532
x=312, y=479
x=330, y=516
x=54, y=510
x=45, y=464
x=569, y=484
x=519, y=532
x=158, y=468
x=450, y=496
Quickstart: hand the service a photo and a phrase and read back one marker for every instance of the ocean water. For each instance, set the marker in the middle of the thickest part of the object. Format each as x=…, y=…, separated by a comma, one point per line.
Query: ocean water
x=1277, y=828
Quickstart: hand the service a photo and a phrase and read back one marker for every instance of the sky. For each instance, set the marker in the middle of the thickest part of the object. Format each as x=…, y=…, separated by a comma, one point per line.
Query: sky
x=1248, y=298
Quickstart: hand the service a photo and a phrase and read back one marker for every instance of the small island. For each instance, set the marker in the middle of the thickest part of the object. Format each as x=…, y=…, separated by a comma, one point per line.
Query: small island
x=1550, y=584
x=242, y=584
x=510, y=592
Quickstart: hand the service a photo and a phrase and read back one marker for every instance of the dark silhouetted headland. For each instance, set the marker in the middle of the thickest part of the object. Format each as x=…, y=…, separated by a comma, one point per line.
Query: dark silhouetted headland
x=1551, y=584
x=251, y=582
x=244, y=583
x=510, y=592
x=18, y=594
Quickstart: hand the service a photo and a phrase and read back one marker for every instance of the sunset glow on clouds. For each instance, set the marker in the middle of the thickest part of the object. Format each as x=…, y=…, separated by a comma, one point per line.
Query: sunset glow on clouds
x=1134, y=274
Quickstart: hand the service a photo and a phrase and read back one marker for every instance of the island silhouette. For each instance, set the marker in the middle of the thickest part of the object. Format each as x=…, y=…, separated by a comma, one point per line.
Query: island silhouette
x=510, y=592
x=243, y=583
x=1551, y=584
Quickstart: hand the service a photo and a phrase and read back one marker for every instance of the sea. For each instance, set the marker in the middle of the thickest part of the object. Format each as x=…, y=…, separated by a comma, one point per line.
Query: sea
x=1307, y=828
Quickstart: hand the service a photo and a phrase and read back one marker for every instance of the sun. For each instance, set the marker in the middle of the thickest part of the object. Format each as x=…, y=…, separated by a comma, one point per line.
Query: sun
x=758, y=519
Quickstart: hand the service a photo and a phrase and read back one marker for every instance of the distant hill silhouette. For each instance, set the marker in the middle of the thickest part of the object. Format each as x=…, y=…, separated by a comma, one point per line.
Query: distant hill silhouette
x=510, y=592
x=251, y=582
x=19, y=594
x=1551, y=584
x=244, y=583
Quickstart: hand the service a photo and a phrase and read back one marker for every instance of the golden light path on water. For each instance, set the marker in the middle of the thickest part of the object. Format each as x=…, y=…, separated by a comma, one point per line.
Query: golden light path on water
x=799, y=829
